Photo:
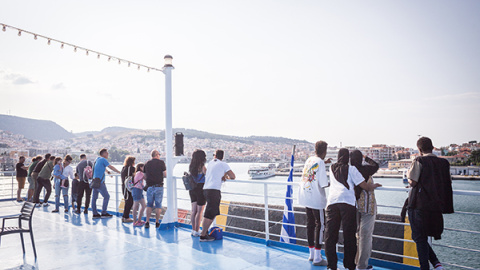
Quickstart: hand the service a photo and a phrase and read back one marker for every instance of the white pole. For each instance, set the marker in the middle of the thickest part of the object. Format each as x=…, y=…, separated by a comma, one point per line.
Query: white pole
x=169, y=218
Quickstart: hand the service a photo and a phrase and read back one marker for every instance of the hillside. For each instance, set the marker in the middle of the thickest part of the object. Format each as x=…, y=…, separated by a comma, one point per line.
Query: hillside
x=42, y=130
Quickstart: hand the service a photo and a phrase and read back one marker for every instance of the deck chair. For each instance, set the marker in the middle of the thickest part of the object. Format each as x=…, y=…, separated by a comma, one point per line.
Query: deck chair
x=25, y=215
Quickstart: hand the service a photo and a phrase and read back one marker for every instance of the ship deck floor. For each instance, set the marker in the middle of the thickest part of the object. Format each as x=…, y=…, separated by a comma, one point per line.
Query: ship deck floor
x=70, y=241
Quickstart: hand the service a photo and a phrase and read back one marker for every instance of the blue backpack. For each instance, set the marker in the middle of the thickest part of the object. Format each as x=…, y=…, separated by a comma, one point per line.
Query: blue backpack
x=216, y=232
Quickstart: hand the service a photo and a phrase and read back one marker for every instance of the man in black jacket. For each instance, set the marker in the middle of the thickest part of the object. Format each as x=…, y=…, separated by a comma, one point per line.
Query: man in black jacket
x=430, y=196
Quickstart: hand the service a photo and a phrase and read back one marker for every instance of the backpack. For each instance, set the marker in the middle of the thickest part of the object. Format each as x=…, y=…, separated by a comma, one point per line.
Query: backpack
x=129, y=184
x=87, y=173
x=216, y=232
x=189, y=181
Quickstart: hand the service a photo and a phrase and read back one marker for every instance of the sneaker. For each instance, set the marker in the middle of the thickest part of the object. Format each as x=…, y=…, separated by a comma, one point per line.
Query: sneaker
x=438, y=266
x=77, y=212
x=106, y=215
x=38, y=204
x=85, y=211
x=370, y=267
x=127, y=220
x=45, y=204
x=97, y=216
x=320, y=263
x=55, y=211
x=66, y=210
x=147, y=225
x=195, y=234
x=157, y=225
x=207, y=238
x=19, y=200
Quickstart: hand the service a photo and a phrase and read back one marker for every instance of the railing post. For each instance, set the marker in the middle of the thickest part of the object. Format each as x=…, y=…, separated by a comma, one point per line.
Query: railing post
x=116, y=194
x=12, y=186
x=267, y=222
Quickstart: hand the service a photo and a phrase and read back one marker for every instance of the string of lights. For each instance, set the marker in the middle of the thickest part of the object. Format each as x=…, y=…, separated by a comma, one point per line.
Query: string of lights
x=77, y=48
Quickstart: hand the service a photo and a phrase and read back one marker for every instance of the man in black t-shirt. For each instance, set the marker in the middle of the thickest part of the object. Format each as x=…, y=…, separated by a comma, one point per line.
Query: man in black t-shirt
x=155, y=170
x=21, y=176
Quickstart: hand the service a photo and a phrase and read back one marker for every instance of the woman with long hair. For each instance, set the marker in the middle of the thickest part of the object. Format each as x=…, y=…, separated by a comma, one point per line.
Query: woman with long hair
x=137, y=195
x=127, y=171
x=367, y=208
x=198, y=170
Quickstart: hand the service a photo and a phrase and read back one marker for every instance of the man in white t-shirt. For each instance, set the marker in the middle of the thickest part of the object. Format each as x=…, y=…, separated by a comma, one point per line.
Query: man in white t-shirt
x=217, y=171
x=312, y=196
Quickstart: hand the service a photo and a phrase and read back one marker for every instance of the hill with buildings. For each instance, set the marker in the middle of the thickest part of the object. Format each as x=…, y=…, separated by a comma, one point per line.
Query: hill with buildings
x=33, y=129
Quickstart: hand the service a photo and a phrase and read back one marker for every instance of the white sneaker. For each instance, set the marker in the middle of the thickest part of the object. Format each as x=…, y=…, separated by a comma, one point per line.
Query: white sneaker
x=38, y=204
x=45, y=204
x=439, y=267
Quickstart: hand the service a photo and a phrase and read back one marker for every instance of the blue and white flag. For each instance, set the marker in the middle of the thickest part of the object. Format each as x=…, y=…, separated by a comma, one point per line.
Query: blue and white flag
x=288, y=231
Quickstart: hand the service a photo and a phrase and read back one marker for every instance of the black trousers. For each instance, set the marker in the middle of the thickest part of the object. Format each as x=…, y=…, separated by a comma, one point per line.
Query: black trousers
x=346, y=215
x=83, y=188
x=42, y=183
x=315, y=227
x=127, y=195
x=418, y=221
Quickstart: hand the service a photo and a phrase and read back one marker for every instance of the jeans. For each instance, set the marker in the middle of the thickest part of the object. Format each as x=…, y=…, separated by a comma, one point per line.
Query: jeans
x=315, y=227
x=64, y=191
x=424, y=250
x=345, y=214
x=41, y=182
x=365, y=234
x=106, y=197
x=155, y=194
x=83, y=188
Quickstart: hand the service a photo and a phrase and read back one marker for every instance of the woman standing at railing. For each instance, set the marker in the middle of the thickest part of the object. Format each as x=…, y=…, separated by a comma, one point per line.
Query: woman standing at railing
x=312, y=196
x=127, y=171
x=367, y=208
x=198, y=170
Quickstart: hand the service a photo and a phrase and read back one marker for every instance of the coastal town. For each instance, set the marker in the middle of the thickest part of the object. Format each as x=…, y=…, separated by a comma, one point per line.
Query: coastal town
x=464, y=158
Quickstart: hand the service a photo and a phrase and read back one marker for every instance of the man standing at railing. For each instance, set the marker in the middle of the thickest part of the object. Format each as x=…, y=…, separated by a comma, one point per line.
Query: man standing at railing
x=21, y=176
x=101, y=164
x=155, y=170
x=217, y=171
x=430, y=196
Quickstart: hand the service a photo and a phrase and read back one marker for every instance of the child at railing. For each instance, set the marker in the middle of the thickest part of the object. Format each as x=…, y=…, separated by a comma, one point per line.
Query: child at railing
x=137, y=194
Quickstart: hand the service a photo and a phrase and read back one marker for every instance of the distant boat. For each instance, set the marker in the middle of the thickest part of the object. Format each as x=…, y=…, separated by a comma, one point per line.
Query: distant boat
x=261, y=172
x=405, y=179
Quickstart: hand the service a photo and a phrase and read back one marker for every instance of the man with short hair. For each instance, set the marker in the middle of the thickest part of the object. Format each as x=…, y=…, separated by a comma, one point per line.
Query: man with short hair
x=35, y=173
x=430, y=196
x=101, y=165
x=83, y=185
x=21, y=176
x=155, y=170
x=217, y=171
x=43, y=180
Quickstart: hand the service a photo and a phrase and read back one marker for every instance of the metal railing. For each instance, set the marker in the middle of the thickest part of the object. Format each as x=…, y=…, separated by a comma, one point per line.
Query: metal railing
x=8, y=191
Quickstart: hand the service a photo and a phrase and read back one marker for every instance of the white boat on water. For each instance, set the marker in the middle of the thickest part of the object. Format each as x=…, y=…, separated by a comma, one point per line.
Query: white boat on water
x=261, y=172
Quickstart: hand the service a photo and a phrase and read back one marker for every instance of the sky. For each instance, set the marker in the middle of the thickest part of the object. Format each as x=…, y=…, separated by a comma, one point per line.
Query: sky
x=347, y=72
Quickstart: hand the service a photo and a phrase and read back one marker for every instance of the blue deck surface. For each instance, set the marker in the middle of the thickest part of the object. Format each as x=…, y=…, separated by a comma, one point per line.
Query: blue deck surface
x=70, y=241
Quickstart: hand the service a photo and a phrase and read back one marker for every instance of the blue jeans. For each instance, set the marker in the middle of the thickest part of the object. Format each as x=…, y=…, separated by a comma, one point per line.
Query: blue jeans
x=106, y=197
x=64, y=191
x=155, y=194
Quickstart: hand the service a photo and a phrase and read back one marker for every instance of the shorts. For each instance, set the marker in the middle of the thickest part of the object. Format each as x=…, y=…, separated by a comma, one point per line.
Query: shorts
x=137, y=194
x=196, y=195
x=31, y=183
x=213, y=197
x=155, y=194
x=21, y=182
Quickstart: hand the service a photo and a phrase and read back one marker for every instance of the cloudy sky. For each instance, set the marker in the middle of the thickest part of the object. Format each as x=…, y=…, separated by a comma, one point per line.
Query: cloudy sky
x=356, y=72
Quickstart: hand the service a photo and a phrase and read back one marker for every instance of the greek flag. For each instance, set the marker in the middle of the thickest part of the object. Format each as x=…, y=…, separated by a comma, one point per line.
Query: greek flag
x=288, y=217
